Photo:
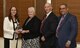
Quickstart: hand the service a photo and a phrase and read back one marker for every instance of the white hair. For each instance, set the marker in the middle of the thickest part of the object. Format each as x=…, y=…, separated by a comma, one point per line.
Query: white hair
x=32, y=8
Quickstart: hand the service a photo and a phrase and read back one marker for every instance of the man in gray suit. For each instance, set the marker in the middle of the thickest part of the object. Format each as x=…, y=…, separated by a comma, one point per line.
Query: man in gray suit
x=66, y=31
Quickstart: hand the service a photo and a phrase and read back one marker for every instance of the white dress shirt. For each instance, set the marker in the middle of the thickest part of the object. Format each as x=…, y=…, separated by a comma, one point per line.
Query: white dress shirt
x=48, y=14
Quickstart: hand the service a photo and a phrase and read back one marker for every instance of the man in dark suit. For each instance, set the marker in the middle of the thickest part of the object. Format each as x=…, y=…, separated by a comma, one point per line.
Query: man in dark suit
x=48, y=28
x=67, y=28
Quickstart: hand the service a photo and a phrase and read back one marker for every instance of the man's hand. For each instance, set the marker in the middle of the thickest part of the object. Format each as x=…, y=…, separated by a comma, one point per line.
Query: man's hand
x=43, y=38
x=68, y=43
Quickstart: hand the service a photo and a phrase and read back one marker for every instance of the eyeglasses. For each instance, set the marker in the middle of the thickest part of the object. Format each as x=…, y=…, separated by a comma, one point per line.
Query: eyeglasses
x=62, y=8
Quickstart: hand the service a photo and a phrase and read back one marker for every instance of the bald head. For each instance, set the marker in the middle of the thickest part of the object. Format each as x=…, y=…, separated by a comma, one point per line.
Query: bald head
x=48, y=7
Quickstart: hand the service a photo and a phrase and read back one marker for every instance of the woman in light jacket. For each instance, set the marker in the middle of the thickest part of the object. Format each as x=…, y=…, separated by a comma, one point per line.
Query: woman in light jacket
x=9, y=27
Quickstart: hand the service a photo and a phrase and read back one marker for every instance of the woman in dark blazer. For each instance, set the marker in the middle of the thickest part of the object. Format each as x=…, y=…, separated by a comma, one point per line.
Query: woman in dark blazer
x=31, y=30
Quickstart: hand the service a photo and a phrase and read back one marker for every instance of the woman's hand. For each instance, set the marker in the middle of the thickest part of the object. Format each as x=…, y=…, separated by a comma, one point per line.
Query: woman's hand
x=17, y=31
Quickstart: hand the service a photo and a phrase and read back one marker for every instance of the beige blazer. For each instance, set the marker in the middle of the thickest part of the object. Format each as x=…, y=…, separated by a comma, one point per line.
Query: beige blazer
x=8, y=28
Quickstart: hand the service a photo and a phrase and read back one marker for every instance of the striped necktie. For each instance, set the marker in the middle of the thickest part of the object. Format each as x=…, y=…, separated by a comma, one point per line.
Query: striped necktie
x=59, y=25
x=42, y=23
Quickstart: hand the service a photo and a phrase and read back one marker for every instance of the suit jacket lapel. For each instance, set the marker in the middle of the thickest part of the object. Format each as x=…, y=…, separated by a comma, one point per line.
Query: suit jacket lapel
x=49, y=16
x=30, y=21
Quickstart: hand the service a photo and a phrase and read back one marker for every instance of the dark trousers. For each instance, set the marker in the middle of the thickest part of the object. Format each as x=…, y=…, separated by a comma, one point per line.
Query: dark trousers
x=49, y=44
x=6, y=43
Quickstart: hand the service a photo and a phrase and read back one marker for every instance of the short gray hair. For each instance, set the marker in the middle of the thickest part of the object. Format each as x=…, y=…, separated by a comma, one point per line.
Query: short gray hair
x=32, y=8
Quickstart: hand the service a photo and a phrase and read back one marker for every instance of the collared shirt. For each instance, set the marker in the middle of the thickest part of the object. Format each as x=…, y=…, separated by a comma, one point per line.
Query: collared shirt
x=64, y=15
x=48, y=14
x=28, y=21
x=62, y=18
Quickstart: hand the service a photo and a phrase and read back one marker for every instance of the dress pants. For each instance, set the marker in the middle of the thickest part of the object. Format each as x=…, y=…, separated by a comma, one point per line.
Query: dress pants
x=6, y=43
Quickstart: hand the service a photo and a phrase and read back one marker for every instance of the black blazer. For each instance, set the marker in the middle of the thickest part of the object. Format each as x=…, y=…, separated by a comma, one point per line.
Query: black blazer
x=33, y=26
x=49, y=27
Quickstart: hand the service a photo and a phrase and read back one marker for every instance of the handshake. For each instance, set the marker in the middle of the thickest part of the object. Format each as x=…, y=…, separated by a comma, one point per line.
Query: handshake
x=20, y=30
